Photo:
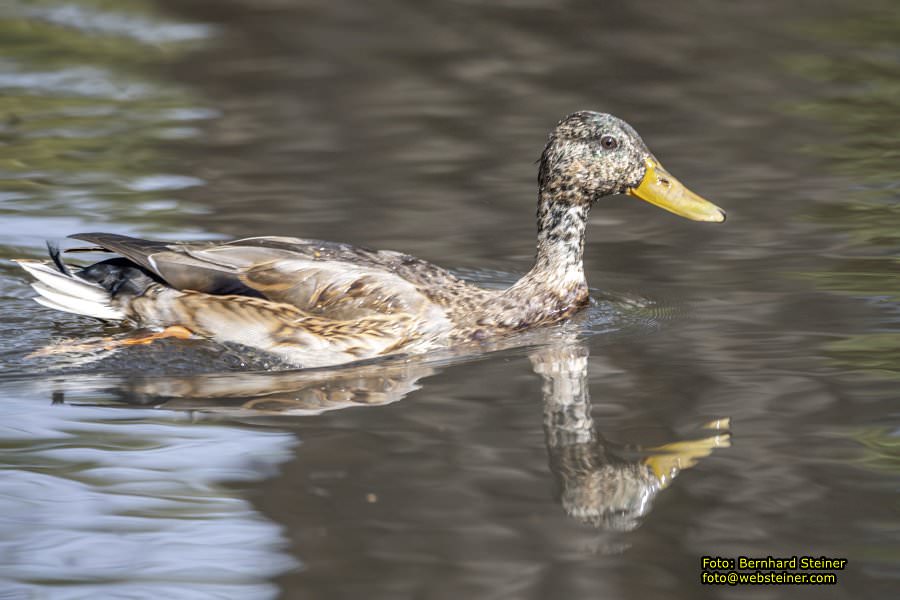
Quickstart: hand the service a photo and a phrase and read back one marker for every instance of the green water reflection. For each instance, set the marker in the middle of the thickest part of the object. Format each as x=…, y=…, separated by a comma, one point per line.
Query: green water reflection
x=83, y=118
x=859, y=112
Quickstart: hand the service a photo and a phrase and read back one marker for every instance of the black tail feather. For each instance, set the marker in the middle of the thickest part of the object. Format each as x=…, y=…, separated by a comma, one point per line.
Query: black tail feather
x=120, y=276
x=53, y=250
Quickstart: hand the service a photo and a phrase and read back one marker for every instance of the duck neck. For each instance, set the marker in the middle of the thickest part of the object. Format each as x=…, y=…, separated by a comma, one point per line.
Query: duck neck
x=560, y=244
x=555, y=286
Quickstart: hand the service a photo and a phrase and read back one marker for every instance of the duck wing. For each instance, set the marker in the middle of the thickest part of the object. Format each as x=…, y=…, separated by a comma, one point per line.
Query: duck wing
x=337, y=281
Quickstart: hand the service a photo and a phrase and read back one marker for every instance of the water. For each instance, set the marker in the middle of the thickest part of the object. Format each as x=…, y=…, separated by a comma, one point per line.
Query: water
x=731, y=392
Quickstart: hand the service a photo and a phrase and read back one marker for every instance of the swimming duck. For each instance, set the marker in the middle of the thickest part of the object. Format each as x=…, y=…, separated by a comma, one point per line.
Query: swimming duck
x=316, y=303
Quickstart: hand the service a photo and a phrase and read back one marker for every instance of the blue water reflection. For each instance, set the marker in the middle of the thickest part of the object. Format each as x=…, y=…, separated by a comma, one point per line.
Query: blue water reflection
x=108, y=503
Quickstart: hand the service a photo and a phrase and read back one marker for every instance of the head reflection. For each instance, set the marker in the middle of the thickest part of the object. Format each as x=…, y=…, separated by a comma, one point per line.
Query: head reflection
x=606, y=485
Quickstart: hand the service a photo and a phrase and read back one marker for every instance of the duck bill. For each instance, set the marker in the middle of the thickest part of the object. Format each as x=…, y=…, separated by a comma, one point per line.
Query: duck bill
x=659, y=188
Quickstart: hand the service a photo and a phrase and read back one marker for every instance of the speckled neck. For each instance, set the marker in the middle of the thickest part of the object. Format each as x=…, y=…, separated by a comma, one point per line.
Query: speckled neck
x=555, y=287
x=560, y=240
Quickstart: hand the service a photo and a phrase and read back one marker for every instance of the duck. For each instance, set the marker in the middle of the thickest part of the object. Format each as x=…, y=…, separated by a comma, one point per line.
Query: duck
x=314, y=303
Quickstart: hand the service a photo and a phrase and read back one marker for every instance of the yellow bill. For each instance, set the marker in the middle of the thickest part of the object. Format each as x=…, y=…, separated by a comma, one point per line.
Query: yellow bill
x=659, y=188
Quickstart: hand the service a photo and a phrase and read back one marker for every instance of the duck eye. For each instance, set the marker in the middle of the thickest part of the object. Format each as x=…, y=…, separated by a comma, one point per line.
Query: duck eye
x=609, y=142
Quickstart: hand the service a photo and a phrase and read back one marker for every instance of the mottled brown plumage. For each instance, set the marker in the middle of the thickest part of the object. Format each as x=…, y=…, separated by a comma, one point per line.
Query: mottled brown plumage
x=320, y=303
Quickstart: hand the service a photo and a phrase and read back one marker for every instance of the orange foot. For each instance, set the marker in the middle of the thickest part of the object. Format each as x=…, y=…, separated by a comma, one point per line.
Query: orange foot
x=173, y=331
x=111, y=343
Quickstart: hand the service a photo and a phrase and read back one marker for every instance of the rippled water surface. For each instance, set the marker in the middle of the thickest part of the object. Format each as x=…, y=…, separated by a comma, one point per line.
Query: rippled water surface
x=732, y=390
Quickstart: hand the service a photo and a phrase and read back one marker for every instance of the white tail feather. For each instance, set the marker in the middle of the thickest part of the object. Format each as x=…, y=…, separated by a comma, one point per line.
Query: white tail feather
x=69, y=285
x=49, y=303
x=70, y=293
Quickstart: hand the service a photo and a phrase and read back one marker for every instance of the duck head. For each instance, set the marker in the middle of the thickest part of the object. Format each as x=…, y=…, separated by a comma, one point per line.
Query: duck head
x=591, y=155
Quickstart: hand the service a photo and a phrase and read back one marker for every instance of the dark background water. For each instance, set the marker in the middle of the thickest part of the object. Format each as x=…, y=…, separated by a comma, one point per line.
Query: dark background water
x=414, y=126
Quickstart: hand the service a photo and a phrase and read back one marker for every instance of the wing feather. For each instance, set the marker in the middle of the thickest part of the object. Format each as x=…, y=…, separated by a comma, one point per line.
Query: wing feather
x=328, y=279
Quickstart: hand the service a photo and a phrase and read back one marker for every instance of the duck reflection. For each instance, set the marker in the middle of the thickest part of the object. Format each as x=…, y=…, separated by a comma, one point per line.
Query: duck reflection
x=601, y=483
x=298, y=393
x=606, y=485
